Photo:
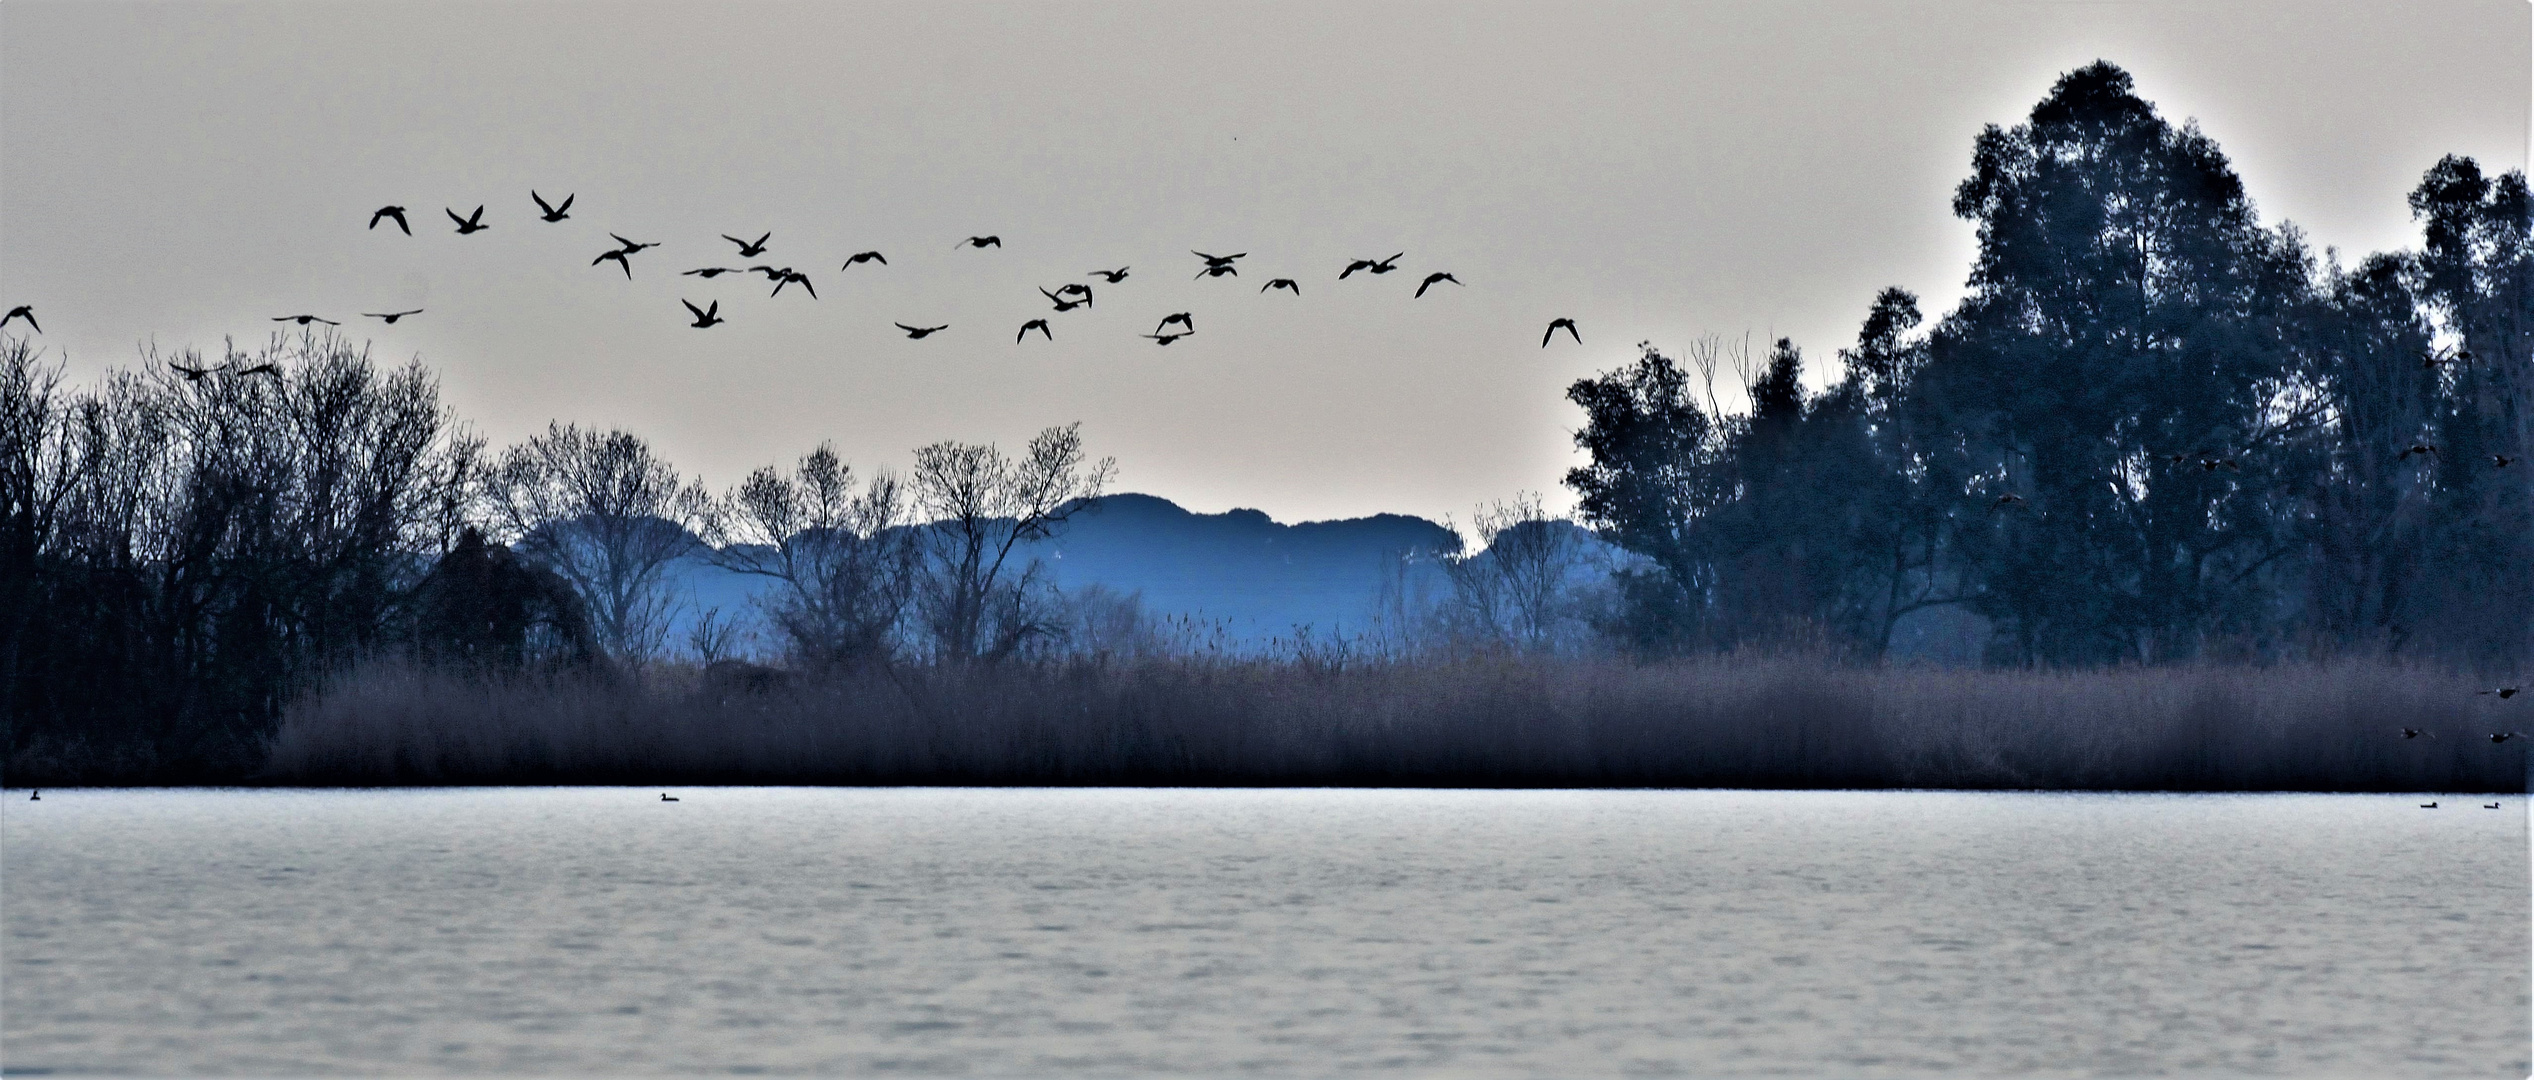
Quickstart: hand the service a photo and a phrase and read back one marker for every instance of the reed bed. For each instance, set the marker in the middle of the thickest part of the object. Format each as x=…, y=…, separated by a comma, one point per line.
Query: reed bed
x=1765, y=723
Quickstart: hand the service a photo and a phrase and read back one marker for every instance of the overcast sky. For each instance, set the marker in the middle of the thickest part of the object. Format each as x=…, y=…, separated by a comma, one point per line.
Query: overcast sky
x=180, y=173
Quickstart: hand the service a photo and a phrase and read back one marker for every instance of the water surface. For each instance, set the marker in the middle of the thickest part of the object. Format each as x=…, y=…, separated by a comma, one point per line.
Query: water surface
x=1108, y=932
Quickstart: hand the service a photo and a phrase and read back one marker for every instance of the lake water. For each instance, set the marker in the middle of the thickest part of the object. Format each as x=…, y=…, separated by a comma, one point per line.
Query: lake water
x=1117, y=932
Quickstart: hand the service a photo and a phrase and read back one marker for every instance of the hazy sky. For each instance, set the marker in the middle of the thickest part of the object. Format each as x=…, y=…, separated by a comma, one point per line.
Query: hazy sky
x=180, y=172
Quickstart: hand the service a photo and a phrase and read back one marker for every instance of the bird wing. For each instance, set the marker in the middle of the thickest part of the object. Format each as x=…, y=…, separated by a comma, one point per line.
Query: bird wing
x=541, y=201
x=903, y=326
x=453, y=215
x=1547, y=334
x=690, y=306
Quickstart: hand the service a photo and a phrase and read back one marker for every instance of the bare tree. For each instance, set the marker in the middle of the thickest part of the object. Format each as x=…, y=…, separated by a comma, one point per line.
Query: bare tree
x=608, y=515
x=844, y=563
x=980, y=505
x=1515, y=591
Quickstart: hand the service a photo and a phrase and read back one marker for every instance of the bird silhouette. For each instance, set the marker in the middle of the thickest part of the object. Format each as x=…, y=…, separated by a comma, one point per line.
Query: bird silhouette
x=631, y=246
x=552, y=213
x=22, y=311
x=710, y=272
x=2501, y=461
x=2503, y=736
x=1112, y=276
x=1182, y=318
x=618, y=255
x=666, y=797
x=2006, y=500
x=771, y=274
x=1556, y=324
x=35, y=796
x=1285, y=283
x=304, y=320
x=2428, y=806
x=919, y=333
x=979, y=242
x=749, y=249
x=861, y=257
x=395, y=212
x=707, y=317
x=1062, y=304
x=2414, y=733
x=2503, y=692
x=1039, y=325
x=2489, y=806
x=472, y=223
x=1432, y=279
x=1218, y=260
x=1076, y=289
x=1226, y=269
x=390, y=316
x=193, y=374
x=2428, y=449
x=2214, y=464
x=792, y=277
x=273, y=370
x=1165, y=339
x=1378, y=266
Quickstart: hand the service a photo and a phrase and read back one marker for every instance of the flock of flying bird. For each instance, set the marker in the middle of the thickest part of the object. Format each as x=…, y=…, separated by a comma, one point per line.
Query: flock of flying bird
x=1064, y=298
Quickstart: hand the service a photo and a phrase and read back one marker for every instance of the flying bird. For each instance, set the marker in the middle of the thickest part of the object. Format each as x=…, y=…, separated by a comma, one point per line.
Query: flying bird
x=472, y=223
x=979, y=242
x=1165, y=339
x=1062, y=304
x=2429, y=449
x=710, y=272
x=771, y=274
x=1284, y=283
x=1182, y=318
x=749, y=249
x=631, y=246
x=919, y=333
x=1112, y=276
x=390, y=316
x=2413, y=733
x=1555, y=325
x=2503, y=692
x=396, y=212
x=22, y=311
x=1212, y=261
x=790, y=277
x=1039, y=325
x=304, y=320
x=552, y=213
x=1220, y=271
x=1083, y=291
x=1431, y=279
x=621, y=260
x=193, y=374
x=862, y=257
x=273, y=370
x=706, y=317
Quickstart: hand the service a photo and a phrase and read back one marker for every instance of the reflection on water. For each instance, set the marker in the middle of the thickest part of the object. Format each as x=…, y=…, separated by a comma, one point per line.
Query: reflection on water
x=1282, y=932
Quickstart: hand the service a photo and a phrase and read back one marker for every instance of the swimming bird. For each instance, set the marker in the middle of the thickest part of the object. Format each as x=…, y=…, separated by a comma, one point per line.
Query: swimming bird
x=1555, y=325
x=304, y=320
x=793, y=277
x=621, y=260
x=630, y=245
x=1039, y=325
x=1432, y=279
x=193, y=374
x=2489, y=806
x=1284, y=283
x=919, y=333
x=472, y=223
x=1182, y=318
x=2503, y=736
x=1061, y=303
x=2214, y=464
x=979, y=242
x=22, y=311
x=2428, y=806
x=705, y=318
x=390, y=316
x=710, y=272
x=2413, y=733
x=861, y=257
x=666, y=797
x=395, y=212
x=749, y=249
x=35, y=796
x=2429, y=449
x=1218, y=260
x=2501, y=461
x=552, y=213
x=1112, y=276
x=2504, y=692
x=1220, y=271
x=1165, y=339
x=2006, y=500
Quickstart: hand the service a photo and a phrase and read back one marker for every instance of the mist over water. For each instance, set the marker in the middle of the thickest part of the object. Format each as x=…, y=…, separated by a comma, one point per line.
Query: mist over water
x=1107, y=932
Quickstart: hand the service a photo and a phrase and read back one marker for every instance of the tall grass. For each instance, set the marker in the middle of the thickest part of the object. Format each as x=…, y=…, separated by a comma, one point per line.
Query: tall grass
x=1774, y=723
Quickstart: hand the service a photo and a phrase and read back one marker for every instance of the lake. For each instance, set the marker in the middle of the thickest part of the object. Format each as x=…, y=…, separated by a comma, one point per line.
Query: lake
x=1272, y=932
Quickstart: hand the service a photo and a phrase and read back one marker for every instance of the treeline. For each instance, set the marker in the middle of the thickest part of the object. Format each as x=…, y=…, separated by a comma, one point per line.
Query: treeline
x=2154, y=430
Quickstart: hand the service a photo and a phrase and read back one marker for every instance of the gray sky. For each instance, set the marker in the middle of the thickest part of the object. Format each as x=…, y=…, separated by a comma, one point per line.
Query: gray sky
x=178, y=173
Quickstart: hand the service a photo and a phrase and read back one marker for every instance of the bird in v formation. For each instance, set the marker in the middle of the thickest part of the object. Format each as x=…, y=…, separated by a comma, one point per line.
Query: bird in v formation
x=389, y=317
x=552, y=213
x=749, y=249
x=467, y=226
